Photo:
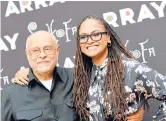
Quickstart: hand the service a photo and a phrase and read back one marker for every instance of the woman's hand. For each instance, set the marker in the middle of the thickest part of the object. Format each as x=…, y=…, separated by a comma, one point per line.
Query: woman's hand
x=21, y=77
x=137, y=116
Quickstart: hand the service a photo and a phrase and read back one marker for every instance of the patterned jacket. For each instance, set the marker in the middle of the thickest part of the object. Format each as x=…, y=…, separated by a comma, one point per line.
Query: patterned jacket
x=141, y=84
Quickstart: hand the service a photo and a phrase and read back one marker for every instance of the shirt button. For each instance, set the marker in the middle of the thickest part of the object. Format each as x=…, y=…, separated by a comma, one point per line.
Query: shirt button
x=52, y=96
x=99, y=78
x=56, y=118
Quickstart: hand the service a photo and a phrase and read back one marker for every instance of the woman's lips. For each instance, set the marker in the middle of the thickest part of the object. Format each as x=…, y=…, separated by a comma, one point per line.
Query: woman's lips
x=92, y=47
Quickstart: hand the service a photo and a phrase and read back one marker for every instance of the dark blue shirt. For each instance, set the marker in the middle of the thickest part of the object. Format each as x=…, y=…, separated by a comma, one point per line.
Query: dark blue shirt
x=34, y=102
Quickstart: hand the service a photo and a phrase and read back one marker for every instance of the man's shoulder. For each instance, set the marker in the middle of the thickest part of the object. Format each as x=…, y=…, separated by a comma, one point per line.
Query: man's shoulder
x=66, y=74
x=12, y=89
x=64, y=71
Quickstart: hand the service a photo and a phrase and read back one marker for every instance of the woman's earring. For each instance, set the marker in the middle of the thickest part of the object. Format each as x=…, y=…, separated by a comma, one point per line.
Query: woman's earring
x=109, y=44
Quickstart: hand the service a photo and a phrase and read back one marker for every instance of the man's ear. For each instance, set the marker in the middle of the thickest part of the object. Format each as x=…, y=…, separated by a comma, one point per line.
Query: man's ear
x=57, y=49
x=27, y=53
x=57, y=52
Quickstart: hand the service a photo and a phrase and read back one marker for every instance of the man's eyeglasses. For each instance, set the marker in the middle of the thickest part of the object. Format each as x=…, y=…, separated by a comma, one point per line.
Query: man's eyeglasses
x=95, y=37
x=35, y=52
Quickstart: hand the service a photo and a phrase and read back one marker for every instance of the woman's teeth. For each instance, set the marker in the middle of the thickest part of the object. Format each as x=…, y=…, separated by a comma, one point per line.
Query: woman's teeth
x=92, y=47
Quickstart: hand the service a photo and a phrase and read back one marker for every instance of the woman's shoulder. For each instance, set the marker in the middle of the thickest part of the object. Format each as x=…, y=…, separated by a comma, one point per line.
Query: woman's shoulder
x=130, y=62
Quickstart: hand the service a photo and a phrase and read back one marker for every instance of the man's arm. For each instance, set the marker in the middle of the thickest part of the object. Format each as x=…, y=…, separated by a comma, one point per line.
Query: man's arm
x=6, y=107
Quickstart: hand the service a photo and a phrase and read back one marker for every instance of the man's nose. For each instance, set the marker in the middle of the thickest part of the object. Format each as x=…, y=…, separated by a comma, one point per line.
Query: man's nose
x=42, y=54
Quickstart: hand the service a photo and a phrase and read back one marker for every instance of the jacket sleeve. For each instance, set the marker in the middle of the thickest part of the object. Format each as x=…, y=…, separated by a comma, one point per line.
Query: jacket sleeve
x=153, y=82
x=6, y=107
x=154, y=86
x=161, y=114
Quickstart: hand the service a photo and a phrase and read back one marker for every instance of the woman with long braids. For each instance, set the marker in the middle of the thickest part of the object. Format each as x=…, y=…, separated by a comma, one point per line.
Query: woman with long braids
x=109, y=84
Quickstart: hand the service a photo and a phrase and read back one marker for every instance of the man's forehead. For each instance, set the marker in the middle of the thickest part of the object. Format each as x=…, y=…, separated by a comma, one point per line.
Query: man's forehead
x=41, y=38
x=42, y=35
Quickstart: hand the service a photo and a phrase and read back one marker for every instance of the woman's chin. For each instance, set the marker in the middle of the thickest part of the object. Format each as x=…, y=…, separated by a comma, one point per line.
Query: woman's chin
x=91, y=55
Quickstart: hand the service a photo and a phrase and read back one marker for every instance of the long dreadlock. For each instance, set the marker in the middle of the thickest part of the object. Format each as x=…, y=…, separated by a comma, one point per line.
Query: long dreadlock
x=114, y=79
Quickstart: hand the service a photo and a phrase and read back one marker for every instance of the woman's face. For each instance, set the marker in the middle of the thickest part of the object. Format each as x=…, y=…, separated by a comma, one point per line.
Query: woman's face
x=95, y=44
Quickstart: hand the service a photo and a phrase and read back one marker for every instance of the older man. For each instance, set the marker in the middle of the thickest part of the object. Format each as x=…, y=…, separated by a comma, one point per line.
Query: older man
x=48, y=95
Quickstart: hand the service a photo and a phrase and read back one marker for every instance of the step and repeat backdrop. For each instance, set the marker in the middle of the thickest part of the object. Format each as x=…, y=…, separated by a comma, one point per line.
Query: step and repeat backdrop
x=141, y=26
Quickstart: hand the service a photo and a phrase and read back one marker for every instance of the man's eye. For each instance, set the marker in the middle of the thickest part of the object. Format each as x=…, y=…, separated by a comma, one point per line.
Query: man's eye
x=35, y=50
x=48, y=48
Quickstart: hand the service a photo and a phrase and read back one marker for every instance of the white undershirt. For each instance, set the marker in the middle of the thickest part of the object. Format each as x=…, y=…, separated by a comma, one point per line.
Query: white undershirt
x=47, y=84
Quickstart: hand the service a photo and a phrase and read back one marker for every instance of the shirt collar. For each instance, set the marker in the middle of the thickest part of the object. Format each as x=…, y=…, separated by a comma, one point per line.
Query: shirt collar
x=104, y=64
x=33, y=78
